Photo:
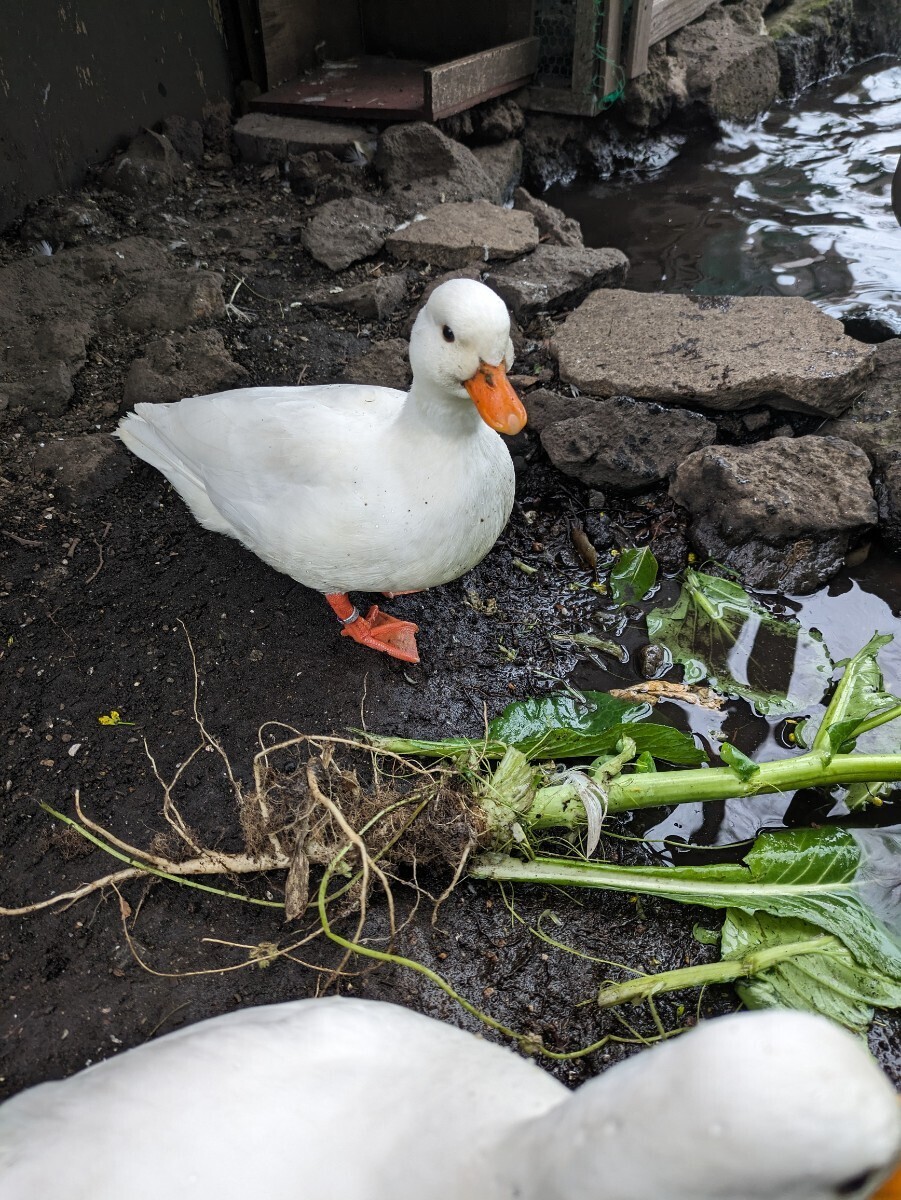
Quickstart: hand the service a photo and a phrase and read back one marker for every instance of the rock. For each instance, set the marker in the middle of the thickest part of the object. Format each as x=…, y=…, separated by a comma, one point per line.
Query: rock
x=191, y=364
x=187, y=138
x=731, y=67
x=652, y=97
x=555, y=277
x=874, y=420
x=149, y=164
x=553, y=224
x=720, y=352
x=63, y=222
x=545, y=408
x=319, y=174
x=421, y=167
x=373, y=300
x=342, y=232
x=781, y=513
x=625, y=443
x=813, y=40
x=888, y=497
x=553, y=149
x=387, y=364
x=174, y=300
x=83, y=467
x=268, y=138
x=453, y=235
x=499, y=120
x=503, y=166
x=216, y=119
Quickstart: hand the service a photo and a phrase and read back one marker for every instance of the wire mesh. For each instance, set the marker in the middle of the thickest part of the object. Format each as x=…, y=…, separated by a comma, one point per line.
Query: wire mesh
x=555, y=22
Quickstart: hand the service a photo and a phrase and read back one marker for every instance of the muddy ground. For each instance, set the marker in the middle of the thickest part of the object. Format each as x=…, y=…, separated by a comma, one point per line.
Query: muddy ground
x=102, y=584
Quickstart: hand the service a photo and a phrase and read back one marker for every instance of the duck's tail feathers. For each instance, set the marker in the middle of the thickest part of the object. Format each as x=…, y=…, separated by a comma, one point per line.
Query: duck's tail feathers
x=139, y=432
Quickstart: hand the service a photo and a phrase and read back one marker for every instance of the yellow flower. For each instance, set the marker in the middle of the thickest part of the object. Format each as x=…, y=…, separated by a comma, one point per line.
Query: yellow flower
x=113, y=718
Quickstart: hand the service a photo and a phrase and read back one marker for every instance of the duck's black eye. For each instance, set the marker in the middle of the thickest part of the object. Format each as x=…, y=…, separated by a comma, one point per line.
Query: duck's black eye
x=448, y=333
x=851, y=1187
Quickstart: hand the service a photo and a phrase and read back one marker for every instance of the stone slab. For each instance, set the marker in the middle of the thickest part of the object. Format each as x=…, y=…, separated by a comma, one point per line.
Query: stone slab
x=719, y=352
x=456, y=234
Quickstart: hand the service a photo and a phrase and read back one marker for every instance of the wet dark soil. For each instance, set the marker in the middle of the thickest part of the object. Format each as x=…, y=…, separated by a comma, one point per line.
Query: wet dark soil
x=104, y=582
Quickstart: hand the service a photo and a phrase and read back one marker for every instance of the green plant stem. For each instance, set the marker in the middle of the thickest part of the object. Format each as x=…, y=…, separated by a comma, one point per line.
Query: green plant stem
x=559, y=805
x=727, y=970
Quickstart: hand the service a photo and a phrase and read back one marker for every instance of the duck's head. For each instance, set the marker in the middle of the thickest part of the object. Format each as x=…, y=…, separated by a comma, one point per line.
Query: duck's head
x=773, y=1105
x=460, y=345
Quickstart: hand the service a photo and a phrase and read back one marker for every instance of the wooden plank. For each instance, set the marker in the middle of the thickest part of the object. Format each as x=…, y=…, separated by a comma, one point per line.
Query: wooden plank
x=611, y=39
x=559, y=100
x=669, y=15
x=386, y=89
x=454, y=86
x=639, y=38
x=585, y=40
x=288, y=31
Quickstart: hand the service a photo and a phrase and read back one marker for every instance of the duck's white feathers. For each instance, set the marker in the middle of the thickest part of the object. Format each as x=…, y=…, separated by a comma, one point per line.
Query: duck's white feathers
x=311, y=1100
x=343, y=488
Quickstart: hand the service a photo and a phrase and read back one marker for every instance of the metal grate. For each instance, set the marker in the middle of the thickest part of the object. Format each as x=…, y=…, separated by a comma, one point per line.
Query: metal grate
x=554, y=25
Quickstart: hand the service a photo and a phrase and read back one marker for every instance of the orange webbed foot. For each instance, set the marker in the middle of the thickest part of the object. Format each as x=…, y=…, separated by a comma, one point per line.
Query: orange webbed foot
x=377, y=630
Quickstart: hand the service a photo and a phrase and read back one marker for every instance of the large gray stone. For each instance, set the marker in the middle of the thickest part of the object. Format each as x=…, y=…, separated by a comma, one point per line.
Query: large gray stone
x=150, y=163
x=502, y=164
x=268, y=138
x=555, y=277
x=387, y=364
x=720, y=352
x=343, y=232
x=553, y=224
x=625, y=443
x=421, y=167
x=781, y=513
x=873, y=421
x=731, y=65
x=373, y=300
x=453, y=235
x=173, y=367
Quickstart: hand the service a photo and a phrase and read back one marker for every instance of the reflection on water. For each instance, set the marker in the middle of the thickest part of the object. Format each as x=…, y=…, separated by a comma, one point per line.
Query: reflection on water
x=858, y=603
x=797, y=204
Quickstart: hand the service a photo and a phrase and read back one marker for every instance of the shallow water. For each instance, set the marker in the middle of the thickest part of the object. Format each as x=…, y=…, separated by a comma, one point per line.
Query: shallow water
x=796, y=204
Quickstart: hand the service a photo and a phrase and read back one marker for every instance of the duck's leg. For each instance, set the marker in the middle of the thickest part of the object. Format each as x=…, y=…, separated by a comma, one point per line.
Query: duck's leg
x=377, y=630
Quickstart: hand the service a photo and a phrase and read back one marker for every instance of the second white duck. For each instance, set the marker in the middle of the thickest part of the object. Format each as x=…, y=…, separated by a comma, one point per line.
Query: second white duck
x=347, y=487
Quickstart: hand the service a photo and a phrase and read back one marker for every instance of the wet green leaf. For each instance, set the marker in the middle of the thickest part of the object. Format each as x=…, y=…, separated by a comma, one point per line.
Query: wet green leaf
x=563, y=726
x=719, y=633
x=818, y=978
x=633, y=576
x=707, y=937
x=743, y=766
x=860, y=699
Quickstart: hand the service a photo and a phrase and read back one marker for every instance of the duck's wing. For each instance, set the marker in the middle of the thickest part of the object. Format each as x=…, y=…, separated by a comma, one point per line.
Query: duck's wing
x=233, y=454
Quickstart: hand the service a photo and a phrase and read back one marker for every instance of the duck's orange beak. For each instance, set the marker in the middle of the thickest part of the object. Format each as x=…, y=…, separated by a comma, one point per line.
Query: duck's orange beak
x=497, y=403
x=891, y=1189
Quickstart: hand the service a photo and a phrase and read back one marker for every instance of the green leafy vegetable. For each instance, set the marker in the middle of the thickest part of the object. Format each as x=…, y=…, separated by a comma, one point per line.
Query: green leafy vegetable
x=820, y=975
x=842, y=882
x=633, y=576
x=717, y=632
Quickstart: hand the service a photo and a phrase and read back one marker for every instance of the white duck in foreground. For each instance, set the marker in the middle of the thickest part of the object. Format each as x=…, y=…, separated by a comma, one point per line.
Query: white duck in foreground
x=354, y=488
x=338, y=1099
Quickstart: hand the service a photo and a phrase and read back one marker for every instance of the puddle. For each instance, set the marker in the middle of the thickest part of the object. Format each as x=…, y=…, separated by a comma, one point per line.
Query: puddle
x=859, y=602
x=795, y=205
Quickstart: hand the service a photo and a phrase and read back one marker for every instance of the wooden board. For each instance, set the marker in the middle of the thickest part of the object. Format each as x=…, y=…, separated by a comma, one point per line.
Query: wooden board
x=611, y=39
x=452, y=87
x=381, y=88
x=585, y=40
x=637, y=53
x=669, y=15
x=288, y=35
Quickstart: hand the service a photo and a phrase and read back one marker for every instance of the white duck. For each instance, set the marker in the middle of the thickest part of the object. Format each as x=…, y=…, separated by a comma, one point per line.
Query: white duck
x=337, y=1099
x=354, y=488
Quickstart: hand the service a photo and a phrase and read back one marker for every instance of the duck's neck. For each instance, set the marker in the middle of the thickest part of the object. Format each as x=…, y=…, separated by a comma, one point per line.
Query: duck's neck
x=428, y=408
